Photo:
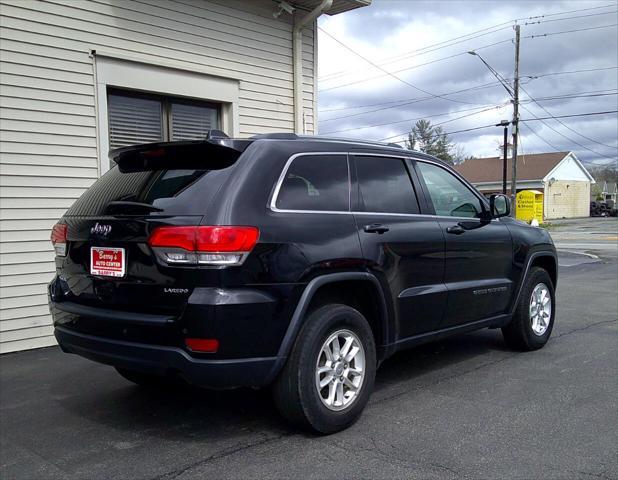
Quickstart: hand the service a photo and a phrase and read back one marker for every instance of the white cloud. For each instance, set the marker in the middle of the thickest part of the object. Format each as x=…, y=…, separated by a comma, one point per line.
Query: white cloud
x=390, y=29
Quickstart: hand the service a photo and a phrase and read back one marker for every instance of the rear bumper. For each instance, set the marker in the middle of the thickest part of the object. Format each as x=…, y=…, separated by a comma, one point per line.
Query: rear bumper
x=163, y=360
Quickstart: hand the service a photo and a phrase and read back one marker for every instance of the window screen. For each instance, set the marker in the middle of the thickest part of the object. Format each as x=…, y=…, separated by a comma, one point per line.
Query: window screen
x=316, y=182
x=136, y=118
x=190, y=122
x=385, y=186
x=449, y=196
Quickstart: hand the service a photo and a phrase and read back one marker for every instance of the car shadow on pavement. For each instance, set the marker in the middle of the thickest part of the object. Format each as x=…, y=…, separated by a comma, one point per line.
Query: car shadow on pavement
x=434, y=356
x=99, y=395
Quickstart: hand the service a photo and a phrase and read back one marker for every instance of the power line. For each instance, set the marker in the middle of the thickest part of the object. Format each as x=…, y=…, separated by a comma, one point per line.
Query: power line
x=524, y=120
x=427, y=49
x=530, y=77
x=508, y=40
x=480, y=110
x=412, y=101
x=476, y=87
x=553, y=147
x=419, y=118
x=569, y=18
x=542, y=120
x=566, y=126
x=569, y=11
x=571, y=31
x=472, y=35
x=568, y=97
x=534, y=77
x=457, y=55
x=387, y=72
x=446, y=133
x=409, y=56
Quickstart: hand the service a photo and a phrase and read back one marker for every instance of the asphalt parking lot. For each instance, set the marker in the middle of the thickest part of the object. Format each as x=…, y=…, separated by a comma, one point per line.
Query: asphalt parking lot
x=466, y=407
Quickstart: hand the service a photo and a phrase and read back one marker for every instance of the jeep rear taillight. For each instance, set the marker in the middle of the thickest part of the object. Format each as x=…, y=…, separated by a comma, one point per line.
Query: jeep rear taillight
x=59, y=239
x=203, y=245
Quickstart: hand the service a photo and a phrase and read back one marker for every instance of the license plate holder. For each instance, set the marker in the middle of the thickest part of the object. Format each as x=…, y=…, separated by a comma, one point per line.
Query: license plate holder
x=108, y=261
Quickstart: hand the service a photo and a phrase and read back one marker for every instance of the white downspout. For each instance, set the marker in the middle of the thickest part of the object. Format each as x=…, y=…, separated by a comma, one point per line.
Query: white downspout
x=297, y=48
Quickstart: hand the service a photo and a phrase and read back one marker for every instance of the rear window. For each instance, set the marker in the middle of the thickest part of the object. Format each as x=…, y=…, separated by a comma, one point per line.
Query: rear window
x=169, y=192
x=317, y=183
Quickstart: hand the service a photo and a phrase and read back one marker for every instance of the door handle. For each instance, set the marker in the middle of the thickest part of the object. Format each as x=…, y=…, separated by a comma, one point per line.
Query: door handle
x=376, y=228
x=455, y=230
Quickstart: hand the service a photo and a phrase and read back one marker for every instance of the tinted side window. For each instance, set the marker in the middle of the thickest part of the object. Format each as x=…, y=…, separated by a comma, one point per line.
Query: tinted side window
x=385, y=186
x=449, y=196
x=316, y=182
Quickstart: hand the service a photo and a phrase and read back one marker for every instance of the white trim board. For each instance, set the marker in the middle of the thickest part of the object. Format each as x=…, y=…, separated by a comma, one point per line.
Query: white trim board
x=162, y=80
x=569, y=168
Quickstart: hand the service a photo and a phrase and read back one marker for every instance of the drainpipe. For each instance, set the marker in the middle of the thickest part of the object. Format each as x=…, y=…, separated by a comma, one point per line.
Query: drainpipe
x=297, y=47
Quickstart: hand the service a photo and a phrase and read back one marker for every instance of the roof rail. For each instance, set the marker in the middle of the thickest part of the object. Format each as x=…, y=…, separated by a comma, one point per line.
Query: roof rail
x=318, y=138
x=275, y=136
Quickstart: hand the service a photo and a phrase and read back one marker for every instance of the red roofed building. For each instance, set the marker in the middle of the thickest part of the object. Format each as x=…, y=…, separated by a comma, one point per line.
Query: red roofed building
x=561, y=177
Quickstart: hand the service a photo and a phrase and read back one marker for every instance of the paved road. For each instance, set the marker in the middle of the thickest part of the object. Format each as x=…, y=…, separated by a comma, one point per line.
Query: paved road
x=462, y=408
x=595, y=235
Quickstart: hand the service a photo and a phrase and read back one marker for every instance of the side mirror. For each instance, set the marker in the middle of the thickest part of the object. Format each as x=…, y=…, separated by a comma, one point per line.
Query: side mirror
x=500, y=206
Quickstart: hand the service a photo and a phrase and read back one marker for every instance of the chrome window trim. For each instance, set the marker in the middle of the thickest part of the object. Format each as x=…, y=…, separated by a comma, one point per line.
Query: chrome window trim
x=275, y=195
x=272, y=204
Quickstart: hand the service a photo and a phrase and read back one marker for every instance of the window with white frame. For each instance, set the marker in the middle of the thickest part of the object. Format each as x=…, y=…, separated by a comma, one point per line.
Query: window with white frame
x=136, y=117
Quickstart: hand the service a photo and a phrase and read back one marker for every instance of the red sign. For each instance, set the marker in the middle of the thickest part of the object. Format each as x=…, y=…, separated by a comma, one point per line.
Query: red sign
x=109, y=262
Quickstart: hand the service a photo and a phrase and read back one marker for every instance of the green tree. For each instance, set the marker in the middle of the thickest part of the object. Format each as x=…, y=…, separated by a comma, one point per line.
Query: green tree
x=432, y=140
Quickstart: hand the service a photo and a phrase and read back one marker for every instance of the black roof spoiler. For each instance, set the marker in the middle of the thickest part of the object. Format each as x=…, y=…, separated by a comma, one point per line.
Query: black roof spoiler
x=215, y=152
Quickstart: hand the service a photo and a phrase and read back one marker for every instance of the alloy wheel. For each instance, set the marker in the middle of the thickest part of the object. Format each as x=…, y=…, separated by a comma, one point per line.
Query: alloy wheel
x=340, y=370
x=540, y=309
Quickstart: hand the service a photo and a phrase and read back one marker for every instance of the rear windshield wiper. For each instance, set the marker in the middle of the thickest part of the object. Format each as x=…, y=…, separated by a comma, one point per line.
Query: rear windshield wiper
x=127, y=206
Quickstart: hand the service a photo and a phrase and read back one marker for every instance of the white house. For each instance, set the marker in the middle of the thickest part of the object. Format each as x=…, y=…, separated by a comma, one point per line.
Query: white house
x=560, y=176
x=78, y=77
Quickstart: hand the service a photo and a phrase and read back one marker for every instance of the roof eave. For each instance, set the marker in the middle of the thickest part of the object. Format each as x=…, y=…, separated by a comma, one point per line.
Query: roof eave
x=338, y=6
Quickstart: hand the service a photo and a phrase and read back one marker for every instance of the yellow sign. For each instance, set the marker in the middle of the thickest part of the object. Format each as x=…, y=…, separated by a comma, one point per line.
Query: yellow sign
x=529, y=205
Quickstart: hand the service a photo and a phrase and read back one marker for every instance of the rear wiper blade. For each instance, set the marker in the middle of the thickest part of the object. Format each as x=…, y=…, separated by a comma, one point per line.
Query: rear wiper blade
x=126, y=206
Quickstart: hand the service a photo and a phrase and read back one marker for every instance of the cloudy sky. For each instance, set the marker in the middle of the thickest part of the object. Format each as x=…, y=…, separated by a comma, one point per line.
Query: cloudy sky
x=416, y=65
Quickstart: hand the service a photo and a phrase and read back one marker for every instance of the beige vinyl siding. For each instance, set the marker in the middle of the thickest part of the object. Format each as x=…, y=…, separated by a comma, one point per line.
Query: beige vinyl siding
x=567, y=199
x=48, y=118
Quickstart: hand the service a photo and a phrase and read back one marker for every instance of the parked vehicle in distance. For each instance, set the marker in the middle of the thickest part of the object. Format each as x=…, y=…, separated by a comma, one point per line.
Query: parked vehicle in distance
x=295, y=262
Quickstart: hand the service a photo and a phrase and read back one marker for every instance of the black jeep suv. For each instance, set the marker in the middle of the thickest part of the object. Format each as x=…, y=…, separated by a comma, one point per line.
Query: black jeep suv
x=296, y=262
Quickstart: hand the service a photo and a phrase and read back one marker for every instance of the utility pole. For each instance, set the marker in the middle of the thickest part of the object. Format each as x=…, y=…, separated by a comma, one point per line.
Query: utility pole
x=505, y=146
x=515, y=124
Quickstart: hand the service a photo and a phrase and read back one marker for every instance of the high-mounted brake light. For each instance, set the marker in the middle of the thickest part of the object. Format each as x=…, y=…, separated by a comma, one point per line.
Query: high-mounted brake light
x=59, y=239
x=203, y=245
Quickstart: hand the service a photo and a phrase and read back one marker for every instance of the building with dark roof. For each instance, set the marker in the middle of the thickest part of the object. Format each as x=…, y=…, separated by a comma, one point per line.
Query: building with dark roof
x=560, y=176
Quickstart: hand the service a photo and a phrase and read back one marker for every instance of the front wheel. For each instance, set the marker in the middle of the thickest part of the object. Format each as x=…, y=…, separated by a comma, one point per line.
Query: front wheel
x=533, y=319
x=329, y=375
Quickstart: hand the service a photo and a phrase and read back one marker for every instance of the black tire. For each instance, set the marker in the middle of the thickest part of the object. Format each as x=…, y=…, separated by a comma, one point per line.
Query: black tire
x=145, y=379
x=519, y=334
x=295, y=391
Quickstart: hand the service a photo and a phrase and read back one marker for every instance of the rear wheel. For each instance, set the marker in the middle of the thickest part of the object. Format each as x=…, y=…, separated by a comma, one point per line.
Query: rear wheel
x=533, y=319
x=329, y=375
